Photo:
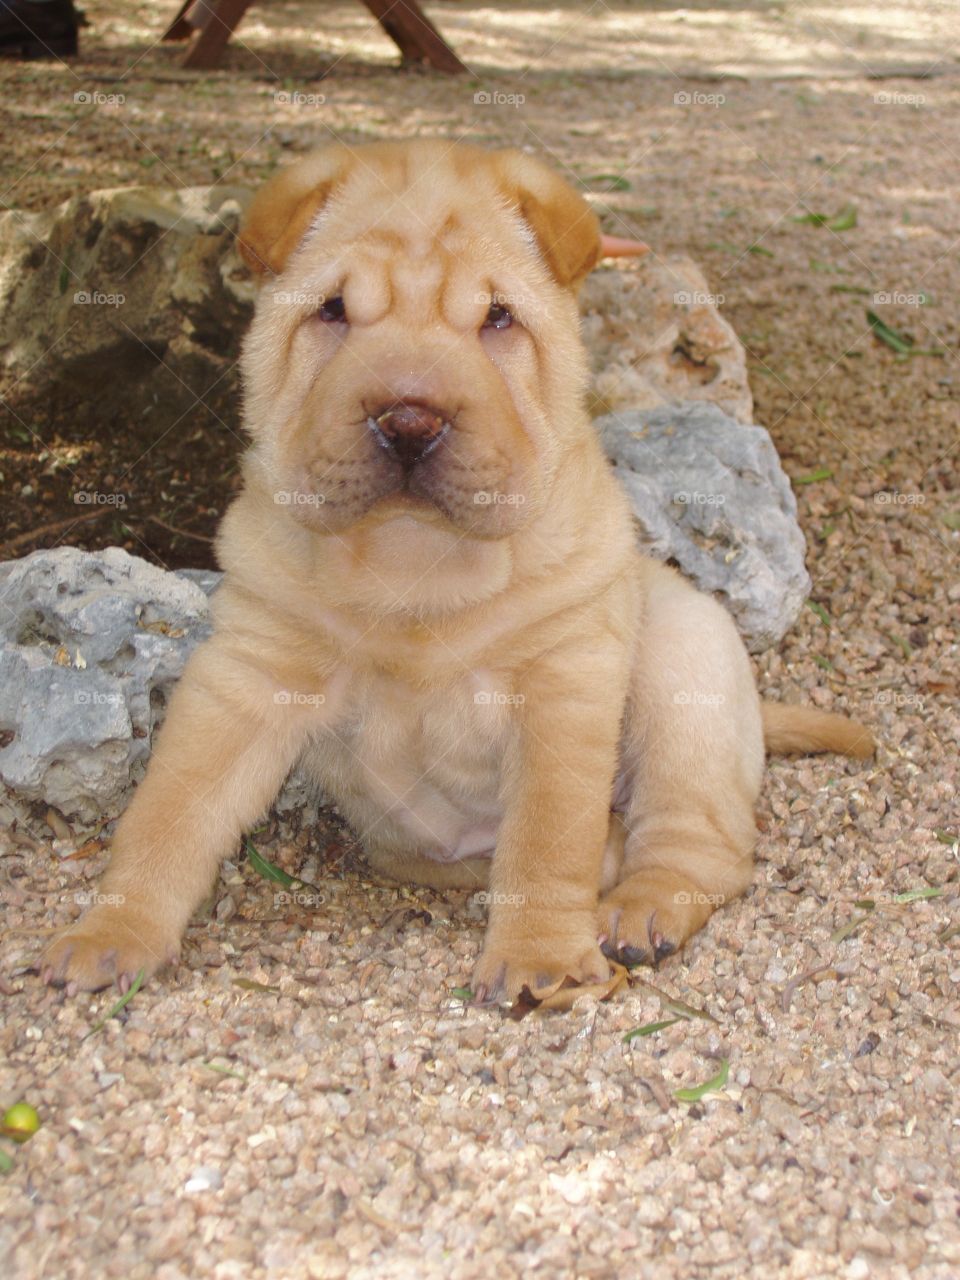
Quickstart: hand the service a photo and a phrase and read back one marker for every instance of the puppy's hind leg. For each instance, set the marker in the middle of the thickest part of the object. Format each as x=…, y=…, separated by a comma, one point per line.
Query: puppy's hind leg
x=414, y=868
x=693, y=751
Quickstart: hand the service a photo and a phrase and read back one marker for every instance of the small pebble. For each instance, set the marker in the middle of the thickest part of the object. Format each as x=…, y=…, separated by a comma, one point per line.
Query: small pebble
x=205, y=1178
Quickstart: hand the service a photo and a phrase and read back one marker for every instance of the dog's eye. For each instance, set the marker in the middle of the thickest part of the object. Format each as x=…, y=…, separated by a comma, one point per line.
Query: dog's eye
x=498, y=317
x=333, y=311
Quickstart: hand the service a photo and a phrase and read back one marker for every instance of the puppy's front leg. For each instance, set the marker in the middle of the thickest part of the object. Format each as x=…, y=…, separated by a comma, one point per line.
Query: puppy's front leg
x=557, y=784
x=228, y=741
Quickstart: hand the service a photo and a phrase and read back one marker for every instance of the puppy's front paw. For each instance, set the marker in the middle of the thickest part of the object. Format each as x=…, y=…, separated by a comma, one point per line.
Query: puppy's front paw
x=108, y=944
x=538, y=955
x=650, y=914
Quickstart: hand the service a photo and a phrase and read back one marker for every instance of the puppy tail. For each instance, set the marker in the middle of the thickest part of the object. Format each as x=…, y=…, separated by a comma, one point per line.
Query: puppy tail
x=789, y=730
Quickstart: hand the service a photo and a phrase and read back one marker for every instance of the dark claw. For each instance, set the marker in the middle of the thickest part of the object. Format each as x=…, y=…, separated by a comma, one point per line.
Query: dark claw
x=632, y=957
x=629, y=957
x=661, y=950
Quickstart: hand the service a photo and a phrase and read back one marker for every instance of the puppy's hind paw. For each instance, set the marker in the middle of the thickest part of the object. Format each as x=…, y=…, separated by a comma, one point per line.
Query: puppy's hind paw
x=650, y=915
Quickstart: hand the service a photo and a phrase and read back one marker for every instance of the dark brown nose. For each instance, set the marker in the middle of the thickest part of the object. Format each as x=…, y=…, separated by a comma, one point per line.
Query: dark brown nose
x=410, y=428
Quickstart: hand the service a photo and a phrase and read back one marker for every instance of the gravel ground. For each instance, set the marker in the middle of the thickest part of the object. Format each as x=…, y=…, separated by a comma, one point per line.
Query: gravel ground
x=306, y=1095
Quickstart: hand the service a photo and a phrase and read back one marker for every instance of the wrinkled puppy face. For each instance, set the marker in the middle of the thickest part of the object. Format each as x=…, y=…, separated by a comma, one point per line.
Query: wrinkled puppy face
x=415, y=350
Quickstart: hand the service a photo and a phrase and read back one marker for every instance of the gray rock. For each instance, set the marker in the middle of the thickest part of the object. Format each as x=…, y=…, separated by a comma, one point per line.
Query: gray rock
x=710, y=494
x=92, y=644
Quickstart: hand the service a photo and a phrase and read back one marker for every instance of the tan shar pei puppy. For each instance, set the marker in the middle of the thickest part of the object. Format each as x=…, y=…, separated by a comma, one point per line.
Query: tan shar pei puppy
x=434, y=600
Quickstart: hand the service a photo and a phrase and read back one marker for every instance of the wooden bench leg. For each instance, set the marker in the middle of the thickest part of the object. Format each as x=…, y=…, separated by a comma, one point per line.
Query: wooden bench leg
x=208, y=44
x=179, y=28
x=403, y=20
x=414, y=34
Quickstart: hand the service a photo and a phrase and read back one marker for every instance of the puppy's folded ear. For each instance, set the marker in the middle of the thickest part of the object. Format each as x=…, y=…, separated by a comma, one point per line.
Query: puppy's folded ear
x=566, y=228
x=281, y=212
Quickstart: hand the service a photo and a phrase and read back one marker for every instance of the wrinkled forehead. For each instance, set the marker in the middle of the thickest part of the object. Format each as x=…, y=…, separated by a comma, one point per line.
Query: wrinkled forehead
x=422, y=224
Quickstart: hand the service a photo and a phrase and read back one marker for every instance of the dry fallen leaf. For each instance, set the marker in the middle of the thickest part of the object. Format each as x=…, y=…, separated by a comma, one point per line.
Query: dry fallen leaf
x=559, y=996
x=87, y=849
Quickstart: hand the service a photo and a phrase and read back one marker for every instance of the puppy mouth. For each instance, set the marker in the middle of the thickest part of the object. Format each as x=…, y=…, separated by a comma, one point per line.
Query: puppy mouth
x=389, y=481
x=413, y=499
x=410, y=432
x=408, y=458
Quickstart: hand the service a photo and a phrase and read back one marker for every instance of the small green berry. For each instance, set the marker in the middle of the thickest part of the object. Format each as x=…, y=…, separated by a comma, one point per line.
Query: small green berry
x=20, y=1122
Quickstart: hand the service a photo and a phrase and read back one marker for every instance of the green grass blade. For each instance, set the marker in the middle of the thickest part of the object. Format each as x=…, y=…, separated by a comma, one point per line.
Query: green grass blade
x=821, y=613
x=896, y=341
x=609, y=182
x=850, y=928
x=844, y=220
x=121, y=1003
x=265, y=868
x=224, y=1071
x=821, y=473
x=917, y=895
x=650, y=1029
x=708, y=1086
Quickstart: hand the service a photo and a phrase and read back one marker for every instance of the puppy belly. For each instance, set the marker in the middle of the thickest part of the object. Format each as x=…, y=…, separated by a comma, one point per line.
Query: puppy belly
x=393, y=813
x=474, y=842
x=431, y=830
x=428, y=823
